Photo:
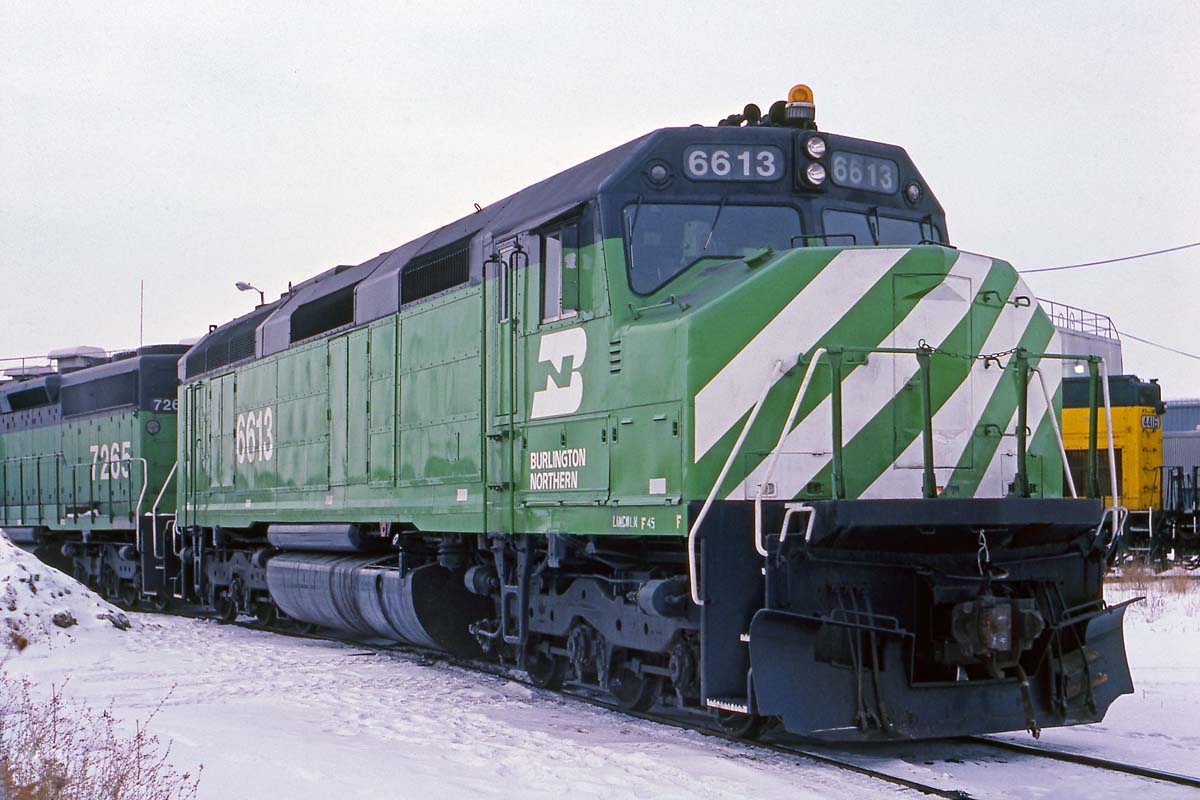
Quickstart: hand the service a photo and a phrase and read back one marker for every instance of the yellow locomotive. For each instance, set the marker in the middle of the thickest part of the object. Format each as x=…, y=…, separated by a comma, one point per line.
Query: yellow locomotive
x=1161, y=525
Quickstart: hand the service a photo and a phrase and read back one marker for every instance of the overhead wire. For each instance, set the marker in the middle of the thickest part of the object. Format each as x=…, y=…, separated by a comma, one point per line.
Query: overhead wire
x=1128, y=258
x=1126, y=335
x=1111, y=260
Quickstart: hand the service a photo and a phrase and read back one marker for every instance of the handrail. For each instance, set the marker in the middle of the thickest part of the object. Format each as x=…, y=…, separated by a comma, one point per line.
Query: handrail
x=154, y=515
x=1062, y=447
x=787, y=517
x=1112, y=457
x=923, y=353
x=693, y=576
x=1119, y=514
x=775, y=453
x=137, y=514
x=135, y=508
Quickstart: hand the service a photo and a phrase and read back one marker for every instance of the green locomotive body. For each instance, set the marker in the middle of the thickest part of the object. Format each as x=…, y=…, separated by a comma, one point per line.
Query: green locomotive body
x=442, y=413
x=86, y=456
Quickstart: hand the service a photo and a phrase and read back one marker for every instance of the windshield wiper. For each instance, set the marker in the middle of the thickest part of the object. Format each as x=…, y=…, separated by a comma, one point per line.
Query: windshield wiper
x=708, y=239
x=637, y=209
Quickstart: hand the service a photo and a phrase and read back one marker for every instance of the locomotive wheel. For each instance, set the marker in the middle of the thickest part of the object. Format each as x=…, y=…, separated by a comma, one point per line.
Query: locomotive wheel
x=742, y=726
x=225, y=605
x=110, y=584
x=129, y=595
x=161, y=602
x=265, y=614
x=634, y=692
x=545, y=671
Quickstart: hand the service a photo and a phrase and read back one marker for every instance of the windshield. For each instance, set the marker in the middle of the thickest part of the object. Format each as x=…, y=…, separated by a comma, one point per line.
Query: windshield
x=664, y=239
x=870, y=228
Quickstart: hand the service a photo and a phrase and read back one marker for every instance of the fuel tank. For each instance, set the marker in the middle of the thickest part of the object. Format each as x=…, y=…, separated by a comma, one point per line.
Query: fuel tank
x=428, y=606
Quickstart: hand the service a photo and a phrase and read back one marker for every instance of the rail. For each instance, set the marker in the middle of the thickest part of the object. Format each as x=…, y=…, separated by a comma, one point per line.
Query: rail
x=1021, y=487
x=1080, y=320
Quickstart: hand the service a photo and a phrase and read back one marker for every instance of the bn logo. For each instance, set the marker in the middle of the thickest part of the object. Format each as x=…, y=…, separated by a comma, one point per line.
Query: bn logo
x=558, y=398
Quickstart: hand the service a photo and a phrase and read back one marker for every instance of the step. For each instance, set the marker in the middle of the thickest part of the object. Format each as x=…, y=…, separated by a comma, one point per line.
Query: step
x=737, y=705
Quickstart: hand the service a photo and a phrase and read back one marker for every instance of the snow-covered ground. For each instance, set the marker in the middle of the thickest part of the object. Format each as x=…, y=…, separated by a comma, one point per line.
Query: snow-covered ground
x=40, y=605
x=273, y=716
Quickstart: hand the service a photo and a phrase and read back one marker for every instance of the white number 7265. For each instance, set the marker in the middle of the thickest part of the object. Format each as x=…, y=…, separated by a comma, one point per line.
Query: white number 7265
x=113, y=459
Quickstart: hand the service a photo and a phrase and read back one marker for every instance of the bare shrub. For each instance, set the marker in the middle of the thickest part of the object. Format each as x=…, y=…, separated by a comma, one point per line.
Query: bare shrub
x=1164, y=593
x=55, y=749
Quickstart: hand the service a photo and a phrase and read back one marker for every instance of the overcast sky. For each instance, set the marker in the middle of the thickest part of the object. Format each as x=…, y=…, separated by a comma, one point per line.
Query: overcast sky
x=194, y=145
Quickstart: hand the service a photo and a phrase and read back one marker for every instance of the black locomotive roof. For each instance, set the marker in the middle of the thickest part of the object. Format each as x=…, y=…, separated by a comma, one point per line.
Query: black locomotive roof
x=17, y=395
x=1124, y=390
x=377, y=282
x=354, y=295
x=43, y=401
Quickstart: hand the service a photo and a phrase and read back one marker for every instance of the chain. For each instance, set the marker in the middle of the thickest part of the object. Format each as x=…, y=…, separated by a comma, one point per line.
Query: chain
x=984, y=556
x=987, y=358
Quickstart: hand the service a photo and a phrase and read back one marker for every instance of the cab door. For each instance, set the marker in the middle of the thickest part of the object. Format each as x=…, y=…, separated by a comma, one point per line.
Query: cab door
x=565, y=430
x=349, y=423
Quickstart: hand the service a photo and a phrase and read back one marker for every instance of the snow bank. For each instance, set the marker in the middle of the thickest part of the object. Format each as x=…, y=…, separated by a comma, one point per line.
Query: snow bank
x=39, y=604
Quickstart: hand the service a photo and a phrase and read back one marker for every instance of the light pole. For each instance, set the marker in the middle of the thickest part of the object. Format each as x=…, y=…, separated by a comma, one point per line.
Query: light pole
x=242, y=286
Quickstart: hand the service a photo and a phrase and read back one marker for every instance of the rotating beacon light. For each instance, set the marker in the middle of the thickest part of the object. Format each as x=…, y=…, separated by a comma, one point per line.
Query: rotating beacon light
x=801, y=111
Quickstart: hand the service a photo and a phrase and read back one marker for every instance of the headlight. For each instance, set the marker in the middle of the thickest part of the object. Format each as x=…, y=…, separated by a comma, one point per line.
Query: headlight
x=814, y=173
x=815, y=147
x=658, y=173
x=913, y=192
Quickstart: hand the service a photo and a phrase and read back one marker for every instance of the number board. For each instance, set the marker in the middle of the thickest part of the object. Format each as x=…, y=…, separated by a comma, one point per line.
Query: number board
x=855, y=171
x=709, y=162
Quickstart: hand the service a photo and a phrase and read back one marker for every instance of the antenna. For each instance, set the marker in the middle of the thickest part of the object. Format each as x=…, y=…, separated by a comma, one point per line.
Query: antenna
x=141, y=311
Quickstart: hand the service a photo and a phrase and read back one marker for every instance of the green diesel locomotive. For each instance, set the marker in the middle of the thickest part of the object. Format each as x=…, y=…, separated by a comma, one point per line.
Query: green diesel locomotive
x=717, y=419
x=87, y=450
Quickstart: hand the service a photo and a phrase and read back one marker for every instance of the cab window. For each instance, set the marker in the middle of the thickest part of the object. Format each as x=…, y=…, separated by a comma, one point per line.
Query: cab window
x=664, y=239
x=560, y=272
x=846, y=228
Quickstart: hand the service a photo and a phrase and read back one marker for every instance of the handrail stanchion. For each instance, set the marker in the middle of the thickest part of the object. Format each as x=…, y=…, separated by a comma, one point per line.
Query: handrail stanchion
x=154, y=515
x=137, y=514
x=928, y=478
x=835, y=402
x=1021, y=480
x=1093, y=462
x=1112, y=455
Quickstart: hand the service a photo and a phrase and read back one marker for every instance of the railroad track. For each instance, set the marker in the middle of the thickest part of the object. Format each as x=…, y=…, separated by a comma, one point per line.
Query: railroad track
x=1086, y=760
x=812, y=752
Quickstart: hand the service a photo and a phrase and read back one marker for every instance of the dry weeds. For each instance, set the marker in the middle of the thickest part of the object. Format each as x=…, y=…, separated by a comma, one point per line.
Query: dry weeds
x=1165, y=593
x=55, y=749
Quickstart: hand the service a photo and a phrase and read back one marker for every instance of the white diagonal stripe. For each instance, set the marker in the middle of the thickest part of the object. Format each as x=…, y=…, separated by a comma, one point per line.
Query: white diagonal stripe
x=1003, y=466
x=829, y=296
x=948, y=425
x=869, y=387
